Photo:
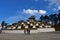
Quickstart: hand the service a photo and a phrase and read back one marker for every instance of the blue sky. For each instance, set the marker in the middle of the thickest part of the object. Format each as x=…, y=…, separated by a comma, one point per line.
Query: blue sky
x=14, y=10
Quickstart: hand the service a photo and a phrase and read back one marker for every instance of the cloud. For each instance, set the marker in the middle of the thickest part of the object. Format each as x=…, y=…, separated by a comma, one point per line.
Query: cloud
x=16, y=18
x=13, y=17
x=59, y=8
x=30, y=11
x=53, y=5
x=42, y=12
x=57, y=2
x=56, y=9
x=33, y=12
x=24, y=15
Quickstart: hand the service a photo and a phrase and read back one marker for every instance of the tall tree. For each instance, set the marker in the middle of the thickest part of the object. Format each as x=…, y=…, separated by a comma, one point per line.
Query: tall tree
x=4, y=23
x=41, y=18
x=46, y=18
x=59, y=16
x=53, y=18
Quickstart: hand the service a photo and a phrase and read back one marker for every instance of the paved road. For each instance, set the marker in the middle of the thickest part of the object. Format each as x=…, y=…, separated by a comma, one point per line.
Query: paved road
x=39, y=36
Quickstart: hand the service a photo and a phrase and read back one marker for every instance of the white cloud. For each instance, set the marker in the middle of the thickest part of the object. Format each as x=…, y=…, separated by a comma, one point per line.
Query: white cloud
x=54, y=2
x=13, y=17
x=54, y=9
x=26, y=11
x=42, y=11
x=16, y=18
x=59, y=8
x=30, y=11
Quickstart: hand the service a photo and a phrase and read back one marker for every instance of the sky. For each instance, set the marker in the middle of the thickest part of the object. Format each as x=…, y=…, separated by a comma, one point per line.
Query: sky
x=14, y=10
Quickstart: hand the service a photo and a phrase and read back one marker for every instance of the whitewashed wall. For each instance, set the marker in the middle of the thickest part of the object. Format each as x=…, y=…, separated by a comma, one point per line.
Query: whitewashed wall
x=31, y=31
x=13, y=31
x=46, y=29
x=19, y=31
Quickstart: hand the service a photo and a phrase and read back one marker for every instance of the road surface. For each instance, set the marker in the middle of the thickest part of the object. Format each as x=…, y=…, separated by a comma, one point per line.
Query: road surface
x=38, y=36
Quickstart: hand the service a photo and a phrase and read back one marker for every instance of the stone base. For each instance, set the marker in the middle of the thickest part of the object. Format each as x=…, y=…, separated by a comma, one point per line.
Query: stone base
x=31, y=31
x=46, y=29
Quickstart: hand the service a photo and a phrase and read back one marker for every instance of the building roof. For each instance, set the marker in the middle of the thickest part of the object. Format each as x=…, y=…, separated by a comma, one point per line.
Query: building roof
x=32, y=17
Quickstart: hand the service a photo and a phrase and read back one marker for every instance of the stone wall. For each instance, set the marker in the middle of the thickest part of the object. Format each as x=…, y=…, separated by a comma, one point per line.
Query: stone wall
x=31, y=31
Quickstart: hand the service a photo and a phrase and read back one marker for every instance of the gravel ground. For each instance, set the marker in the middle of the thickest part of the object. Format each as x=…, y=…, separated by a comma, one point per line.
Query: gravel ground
x=38, y=36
